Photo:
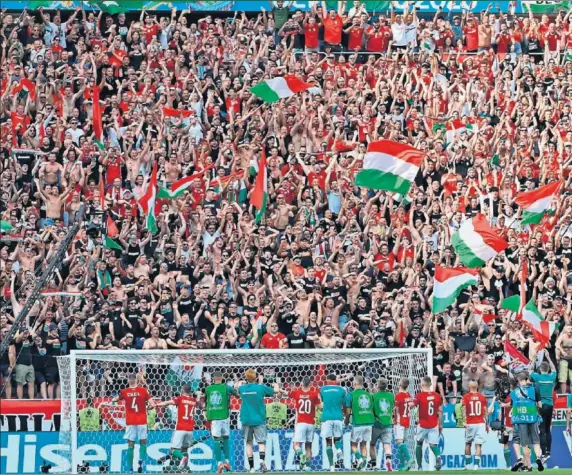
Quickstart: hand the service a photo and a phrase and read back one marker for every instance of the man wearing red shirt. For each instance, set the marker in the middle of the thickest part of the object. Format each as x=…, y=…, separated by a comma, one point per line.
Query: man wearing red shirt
x=306, y=401
x=135, y=399
x=183, y=434
x=471, y=31
x=430, y=421
x=378, y=37
x=273, y=339
x=403, y=402
x=311, y=32
x=474, y=406
x=552, y=38
x=333, y=25
x=355, y=35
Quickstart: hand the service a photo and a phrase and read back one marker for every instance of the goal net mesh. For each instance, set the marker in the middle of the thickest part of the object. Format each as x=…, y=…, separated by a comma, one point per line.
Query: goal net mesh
x=91, y=379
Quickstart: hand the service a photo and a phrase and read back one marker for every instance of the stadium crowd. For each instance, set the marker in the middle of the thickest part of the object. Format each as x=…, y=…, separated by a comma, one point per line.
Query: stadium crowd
x=330, y=264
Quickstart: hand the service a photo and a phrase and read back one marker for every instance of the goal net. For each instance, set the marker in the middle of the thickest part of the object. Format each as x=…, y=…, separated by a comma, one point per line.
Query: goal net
x=92, y=426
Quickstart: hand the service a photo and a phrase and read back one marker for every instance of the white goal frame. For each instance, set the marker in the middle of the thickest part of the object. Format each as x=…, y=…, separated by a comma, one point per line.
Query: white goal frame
x=247, y=358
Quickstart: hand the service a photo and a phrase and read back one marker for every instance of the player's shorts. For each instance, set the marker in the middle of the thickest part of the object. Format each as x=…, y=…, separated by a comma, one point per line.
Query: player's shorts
x=512, y=435
x=181, y=438
x=135, y=433
x=399, y=432
x=361, y=434
x=431, y=436
x=333, y=429
x=528, y=434
x=303, y=432
x=256, y=433
x=476, y=433
x=220, y=428
x=384, y=435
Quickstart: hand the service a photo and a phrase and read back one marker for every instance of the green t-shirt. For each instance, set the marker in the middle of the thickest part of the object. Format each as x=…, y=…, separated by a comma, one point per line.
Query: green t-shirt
x=217, y=397
x=280, y=16
x=276, y=415
x=89, y=419
x=383, y=404
x=252, y=409
x=361, y=403
x=333, y=398
x=545, y=383
x=151, y=418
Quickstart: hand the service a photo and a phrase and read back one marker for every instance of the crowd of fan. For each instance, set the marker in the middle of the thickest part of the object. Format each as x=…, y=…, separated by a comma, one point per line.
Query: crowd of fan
x=330, y=265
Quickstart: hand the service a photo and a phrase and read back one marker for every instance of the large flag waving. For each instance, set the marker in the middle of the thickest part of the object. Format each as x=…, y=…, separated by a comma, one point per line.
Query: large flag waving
x=541, y=328
x=147, y=202
x=97, y=125
x=390, y=166
x=475, y=242
x=179, y=187
x=448, y=285
x=511, y=350
x=535, y=203
x=259, y=197
x=273, y=90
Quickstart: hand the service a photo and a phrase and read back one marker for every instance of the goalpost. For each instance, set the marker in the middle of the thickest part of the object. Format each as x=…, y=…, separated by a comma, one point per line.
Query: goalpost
x=90, y=379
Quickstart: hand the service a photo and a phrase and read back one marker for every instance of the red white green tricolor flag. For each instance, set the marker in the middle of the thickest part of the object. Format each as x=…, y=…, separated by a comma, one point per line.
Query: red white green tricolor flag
x=179, y=187
x=475, y=242
x=97, y=125
x=535, y=203
x=147, y=202
x=541, y=328
x=457, y=126
x=259, y=197
x=449, y=283
x=390, y=166
x=273, y=90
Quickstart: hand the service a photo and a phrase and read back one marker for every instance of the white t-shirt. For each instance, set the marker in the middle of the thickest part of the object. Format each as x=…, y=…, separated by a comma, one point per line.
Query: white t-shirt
x=411, y=33
x=398, y=31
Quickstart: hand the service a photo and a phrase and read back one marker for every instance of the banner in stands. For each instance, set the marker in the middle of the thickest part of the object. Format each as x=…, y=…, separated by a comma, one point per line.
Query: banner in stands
x=377, y=6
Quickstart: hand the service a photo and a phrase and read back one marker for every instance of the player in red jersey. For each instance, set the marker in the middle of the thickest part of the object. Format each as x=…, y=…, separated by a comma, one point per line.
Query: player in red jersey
x=135, y=398
x=475, y=410
x=402, y=409
x=430, y=421
x=307, y=400
x=183, y=435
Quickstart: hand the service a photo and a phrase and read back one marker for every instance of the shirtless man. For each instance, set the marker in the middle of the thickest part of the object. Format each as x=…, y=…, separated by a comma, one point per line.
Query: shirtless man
x=172, y=169
x=26, y=258
x=53, y=200
x=485, y=34
x=328, y=339
x=51, y=172
x=564, y=352
x=154, y=342
x=284, y=212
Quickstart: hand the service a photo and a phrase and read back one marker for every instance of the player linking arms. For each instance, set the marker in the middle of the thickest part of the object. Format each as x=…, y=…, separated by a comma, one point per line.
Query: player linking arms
x=333, y=399
x=359, y=405
x=253, y=416
x=183, y=435
x=430, y=421
x=136, y=399
x=218, y=396
x=383, y=409
x=403, y=402
x=306, y=400
x=475, y=410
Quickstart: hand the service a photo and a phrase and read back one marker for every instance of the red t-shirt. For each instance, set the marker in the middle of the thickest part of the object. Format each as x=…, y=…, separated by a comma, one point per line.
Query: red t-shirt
x=186, y=406
x=355, y=37
x=150, y=31
x=311, y=34
x=472, y=35
x=475, y=408
x=402, y=404
x=429, y=404
x=135, y=405
x=333, y=30
x=306, y=402
x=551, y=39
x=379, y=40
x=271, y=342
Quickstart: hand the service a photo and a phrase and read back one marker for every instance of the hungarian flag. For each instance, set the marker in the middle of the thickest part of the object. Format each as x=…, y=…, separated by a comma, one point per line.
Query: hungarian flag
x=179, y=187
x=546, y=7
x=273, y=90
x=511, y=350
x=341, y=146
x=512, y=304
x=176, y=113
x=475, y=242
x=259, y=197
x=112, y=230
x=390, y=166
x=111, y=244
x=26, y=85
x=535, y=203
x=147, y=202
x=97, y=125
x=541, y=328
x=457, y=126
x=448, y=285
